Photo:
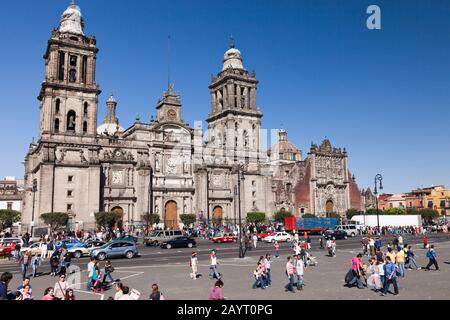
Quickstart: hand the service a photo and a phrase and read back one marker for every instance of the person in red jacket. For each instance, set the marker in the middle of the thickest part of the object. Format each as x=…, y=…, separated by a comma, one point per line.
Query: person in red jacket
x=425, y=242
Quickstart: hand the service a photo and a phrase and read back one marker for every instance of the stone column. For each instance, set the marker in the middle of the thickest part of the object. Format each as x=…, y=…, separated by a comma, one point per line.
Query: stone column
x=238, y=94
x=225, y=97
x=245, y=106
x=253, y=98
x=213, y=102
x=66, y=66
x=231, y=95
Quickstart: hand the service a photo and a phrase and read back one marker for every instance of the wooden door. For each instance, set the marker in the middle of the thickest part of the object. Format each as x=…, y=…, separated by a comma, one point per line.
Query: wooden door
x=171, y=216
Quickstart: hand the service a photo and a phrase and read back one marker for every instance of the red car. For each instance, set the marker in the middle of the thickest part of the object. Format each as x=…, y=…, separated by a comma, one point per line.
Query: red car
x=5, y=248
x=263, y=234
x=223, y=239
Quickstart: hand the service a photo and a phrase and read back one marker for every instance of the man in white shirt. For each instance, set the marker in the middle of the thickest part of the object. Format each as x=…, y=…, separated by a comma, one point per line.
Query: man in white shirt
x=90, y=267
x=299, y=270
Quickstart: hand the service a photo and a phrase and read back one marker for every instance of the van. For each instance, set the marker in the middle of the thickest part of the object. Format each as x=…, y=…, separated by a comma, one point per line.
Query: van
x=159, y=236
x=350, y=229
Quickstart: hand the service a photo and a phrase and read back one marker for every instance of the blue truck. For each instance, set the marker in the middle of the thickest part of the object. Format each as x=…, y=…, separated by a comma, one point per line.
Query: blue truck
x=310, y=225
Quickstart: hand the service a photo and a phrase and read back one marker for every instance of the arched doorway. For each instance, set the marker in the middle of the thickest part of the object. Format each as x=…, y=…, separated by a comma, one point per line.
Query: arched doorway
x=119, y=211
x=329, y=207
x=171, y=216
x=218, y=214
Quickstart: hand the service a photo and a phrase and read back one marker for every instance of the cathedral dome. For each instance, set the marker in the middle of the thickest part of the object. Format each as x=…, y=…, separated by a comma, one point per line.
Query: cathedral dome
x=72, y=20
x=109, y=129
x=232, y=58
x=284, y=150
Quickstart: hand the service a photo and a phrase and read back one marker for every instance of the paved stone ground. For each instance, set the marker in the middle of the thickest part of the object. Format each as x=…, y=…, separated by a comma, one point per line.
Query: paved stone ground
x=325, y=281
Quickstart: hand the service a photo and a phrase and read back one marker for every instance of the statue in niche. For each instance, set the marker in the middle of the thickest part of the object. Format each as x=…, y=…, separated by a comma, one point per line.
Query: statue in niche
x=71, y=124
x=157, y=164
x=186, y=164
x=82, y=157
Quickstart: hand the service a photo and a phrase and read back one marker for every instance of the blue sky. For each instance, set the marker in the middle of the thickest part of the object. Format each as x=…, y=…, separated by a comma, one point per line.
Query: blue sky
x=382, y=94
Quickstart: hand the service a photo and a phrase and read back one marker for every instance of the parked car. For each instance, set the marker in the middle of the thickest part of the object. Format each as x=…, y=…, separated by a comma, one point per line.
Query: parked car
x=5, y=248
x=78, y=252
x=263, y=234
x=224, y=239
x=335, y=234
x=179, y=242
x=350, y=229
x=159, y=236
x=12, y=239
x=115, y=249
x=279, y=236
x=34, y=248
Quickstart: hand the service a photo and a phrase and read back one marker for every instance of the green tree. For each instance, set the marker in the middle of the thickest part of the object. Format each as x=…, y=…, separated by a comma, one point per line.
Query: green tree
x=188, y=219
x=395, y=211
x=374, y=211
x=351, y=213
x=280, y=215
x=150, y=219
x=256, y=217
x=8, y=217
x=428, y=214
x=55, y=219
x=106, y=219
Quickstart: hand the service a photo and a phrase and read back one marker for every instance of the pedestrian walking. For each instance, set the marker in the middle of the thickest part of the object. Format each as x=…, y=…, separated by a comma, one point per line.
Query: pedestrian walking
x=216, y=293
x=194, y=265
x=5, y=279
x=432, y=257
x=35, y=263
x=374, y=280
x=333, y=248
x=321, y=242
x=90, y=268
x=425, y=242
x=290, y=270
x=109, y=269
x=277, y=249
x=391, y=276
x=213, y=265
x=329, y=248
x=411, y=259
x=258, y=274
x=268, y=263
x=25, y=261
x=255, y=240
x=54, y=263
x=50, y=248
x=357, y=271
x=43, y=248
x=400, y=261
x=157, y=295
x=372, y=246
x=299, y=270
x=60, y=287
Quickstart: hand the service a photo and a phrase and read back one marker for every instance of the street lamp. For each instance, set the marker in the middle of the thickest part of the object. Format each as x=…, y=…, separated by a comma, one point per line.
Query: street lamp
x=33, y=189
x=240, y=178
x=378, y=178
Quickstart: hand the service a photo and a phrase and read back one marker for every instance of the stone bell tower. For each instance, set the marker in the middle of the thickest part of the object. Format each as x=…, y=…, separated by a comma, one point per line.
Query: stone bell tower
x=68, y=97
x=234, y=121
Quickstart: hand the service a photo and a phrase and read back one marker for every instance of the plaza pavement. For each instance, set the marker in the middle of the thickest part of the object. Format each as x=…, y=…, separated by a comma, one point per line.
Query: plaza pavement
x=325, y=281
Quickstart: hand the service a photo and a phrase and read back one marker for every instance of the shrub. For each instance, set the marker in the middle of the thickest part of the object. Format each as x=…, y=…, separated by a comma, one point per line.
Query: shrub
x=188, y=219
x=281, y=215
x=106, y=219
x=256, y=217
x=8, y=217
x=55, y=219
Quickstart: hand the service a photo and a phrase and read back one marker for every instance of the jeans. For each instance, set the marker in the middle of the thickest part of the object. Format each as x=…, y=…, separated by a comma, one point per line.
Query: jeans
x=277, y=253
x=108, y=275
x=259, y=281
x=401, y=268
x=299, y=282
x=290, y=285
x=34, y=266
x=383, y=280
x=412, y=261
x=24, y=268
x=214, y=272
x=268, y=278
x=89, y=284
x=357, y=280
x=388, y=283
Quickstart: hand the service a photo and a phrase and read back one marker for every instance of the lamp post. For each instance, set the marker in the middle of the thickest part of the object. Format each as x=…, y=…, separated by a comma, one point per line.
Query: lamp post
x=33, y=189
x=240, y=178
x=378, y=178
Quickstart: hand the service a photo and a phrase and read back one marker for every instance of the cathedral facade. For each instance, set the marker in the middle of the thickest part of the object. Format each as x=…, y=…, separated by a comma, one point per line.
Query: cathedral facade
x=165, y=166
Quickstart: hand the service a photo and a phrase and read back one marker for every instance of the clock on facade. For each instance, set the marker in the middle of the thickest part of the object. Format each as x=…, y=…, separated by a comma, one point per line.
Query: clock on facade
x=117, y=177
x=172, y=114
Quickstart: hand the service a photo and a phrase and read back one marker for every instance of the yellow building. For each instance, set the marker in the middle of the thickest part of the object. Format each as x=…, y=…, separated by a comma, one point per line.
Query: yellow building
x=438, y=198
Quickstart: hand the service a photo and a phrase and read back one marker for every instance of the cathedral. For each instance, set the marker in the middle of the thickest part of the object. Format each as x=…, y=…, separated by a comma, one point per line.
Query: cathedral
x=167, y=167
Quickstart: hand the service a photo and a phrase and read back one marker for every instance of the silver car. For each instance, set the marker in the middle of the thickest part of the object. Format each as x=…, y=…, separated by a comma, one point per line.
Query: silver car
x=116, y=249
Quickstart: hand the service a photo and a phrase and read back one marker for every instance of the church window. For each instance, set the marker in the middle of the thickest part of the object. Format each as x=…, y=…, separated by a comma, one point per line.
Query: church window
x=85, y=110
x=235, y=141
x=254, y=204
x=254, y=183
x=73, y=61
x=85, y=125
x=69, y=207
x=71, y=115
x=70, y=178
x=9, y=206
x=254, y=194
x=302, y=210
x=61, y=65
x=84, y=69
x=69, y=193
x=430, y=204
x=442, y=203
x=289, y=187
x=57, y=106
x=72, y=75
x=236, y=126
x=56, y=125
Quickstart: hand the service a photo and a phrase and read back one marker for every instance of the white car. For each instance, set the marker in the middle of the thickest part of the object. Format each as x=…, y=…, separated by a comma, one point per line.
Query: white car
x=34, y=248
x=86, y=250
x=279, y=236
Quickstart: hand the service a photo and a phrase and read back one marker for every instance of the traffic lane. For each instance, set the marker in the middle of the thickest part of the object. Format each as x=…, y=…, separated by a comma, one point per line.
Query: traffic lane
x=157, y=255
